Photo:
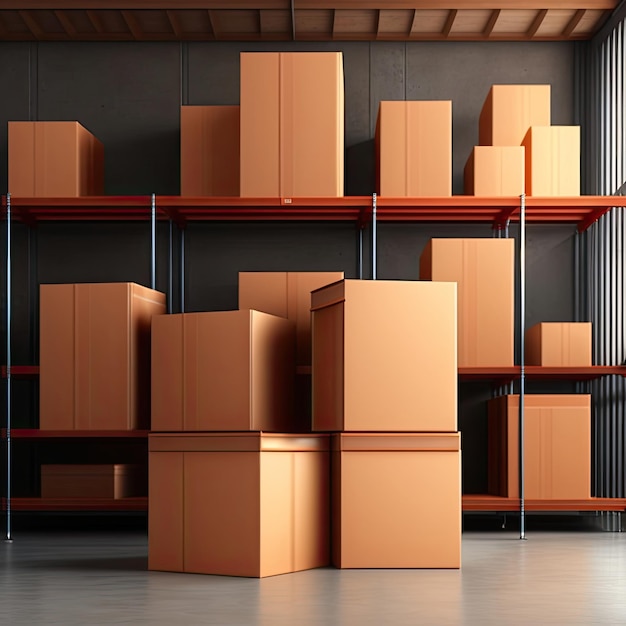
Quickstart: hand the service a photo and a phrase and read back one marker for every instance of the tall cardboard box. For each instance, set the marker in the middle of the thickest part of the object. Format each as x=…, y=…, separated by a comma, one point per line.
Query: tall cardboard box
x=54, y=159
x=484, y=272
x=113, y=481
x=414, y=148
x=396, y=500
x=384, y=356
x=510, y=110
x=95, y=355
x=559, y=344
x=292, y=124
x=238, y=504
x=557, y=446
x=552, y=161
x=495, y=171
x=224, y=370
x=209, y=151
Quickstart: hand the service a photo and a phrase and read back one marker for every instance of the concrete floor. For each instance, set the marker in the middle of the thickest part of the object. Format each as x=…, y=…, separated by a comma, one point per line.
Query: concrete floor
x=101, y=578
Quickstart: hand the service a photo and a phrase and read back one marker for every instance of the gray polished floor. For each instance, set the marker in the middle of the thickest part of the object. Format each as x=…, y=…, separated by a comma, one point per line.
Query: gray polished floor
x=101, y=578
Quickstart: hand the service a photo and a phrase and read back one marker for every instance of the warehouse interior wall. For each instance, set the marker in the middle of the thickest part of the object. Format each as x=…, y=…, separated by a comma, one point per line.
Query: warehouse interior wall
x=129, y=95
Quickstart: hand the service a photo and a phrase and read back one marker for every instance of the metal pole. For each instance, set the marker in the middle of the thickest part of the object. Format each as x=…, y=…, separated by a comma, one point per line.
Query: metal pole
x=522, y=383
x=374, y=236
x=360, y=253
x=8, y=365
x=182, y=271
x=170, y=274
x=153, y=243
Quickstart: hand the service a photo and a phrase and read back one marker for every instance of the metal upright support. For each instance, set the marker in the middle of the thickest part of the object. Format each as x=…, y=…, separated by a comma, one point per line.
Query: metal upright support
x=522, y=382
x=153, y=243
x=374, y=237
x=8, y=537
x=182, y=271
x=360, y=253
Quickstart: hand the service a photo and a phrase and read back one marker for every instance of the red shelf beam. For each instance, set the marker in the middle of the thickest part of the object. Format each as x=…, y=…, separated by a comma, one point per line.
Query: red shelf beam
x=20, y=371
x=35, y=433
x=77, y=504
x=498, y=504
x=536, y=372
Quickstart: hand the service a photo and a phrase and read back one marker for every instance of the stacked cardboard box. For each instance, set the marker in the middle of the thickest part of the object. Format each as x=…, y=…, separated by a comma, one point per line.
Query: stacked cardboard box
x=559, y=344
x=414, y=148
x=557, y=447
x=385, y=382
x=292, y=124
x=484, y=272
x=209, y=151
x=54, y=159
x=95, y=355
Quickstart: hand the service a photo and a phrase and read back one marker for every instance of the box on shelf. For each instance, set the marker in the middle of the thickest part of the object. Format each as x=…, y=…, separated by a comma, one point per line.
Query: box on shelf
x=557, y=446
x=238, y=504
x=510, y=110
x=209, y=151
x=552, y=160
x=93, y=481
x=292, y=124
x=224, y=370
x=396, y=500
x=414, y=148
x=495, y=171
x=95, y=355
x=54, y=159
x=286, y=294
x=384, y=356
x=484, y=272
x=556, y=344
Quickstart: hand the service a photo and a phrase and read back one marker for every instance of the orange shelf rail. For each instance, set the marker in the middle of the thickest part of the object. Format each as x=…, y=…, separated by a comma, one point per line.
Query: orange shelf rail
x=36, y=433
x=77, y=504
x=537, y=372
x=479, y=502
x=20, y=371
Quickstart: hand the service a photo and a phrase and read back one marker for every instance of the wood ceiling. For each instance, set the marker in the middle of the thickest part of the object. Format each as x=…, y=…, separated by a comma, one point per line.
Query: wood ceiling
x=302, y=20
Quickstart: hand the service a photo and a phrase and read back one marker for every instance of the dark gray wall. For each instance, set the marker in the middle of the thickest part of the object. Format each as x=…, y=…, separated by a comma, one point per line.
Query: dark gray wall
x=129, y=94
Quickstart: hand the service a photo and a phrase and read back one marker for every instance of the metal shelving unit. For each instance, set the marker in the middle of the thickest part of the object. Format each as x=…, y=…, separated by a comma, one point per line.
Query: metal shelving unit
x=363, y=211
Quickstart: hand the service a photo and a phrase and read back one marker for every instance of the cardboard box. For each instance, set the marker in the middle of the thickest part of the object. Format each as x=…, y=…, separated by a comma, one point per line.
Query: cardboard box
x=238, y=504
x=484, y=272
x=286, y=294
x=557, y=344
x=396, y=500
x=95, y=355
x=225, y=370
x=384, y=356
x=54, y=159
x=414, y=148
x=553, y=161
x=510, y=110
x=209, y=151
x=495, y=171
x=292, y=124
x=93, y=481
x=557, y=446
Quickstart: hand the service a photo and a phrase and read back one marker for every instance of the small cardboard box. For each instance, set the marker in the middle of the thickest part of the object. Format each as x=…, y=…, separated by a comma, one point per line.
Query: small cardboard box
x=495, y=171
x=557, y=344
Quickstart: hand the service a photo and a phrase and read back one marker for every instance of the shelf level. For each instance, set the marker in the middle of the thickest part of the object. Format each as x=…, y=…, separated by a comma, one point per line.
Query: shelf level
x=499, y=504
x=77, y=504
x=536, y=372
x=20, y=371
x=35, y=433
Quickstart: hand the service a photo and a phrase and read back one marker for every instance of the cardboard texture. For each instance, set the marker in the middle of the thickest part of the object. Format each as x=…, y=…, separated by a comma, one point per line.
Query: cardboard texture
x=510, y=110
x=286, y=294
x=552, y=160
x=557, y=446
x=93, y=481
x=384, y=493
x=495, y=171
x=292, y=124
x=414, y=148
x=484, y=272
x=384, y=356
x=209, y=151
x=239, y=505
x=225, y=370
x=95, y=355
x=54, y=159
x=556, y=344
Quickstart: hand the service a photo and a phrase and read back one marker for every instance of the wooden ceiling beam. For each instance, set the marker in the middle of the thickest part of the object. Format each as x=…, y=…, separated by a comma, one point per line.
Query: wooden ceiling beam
x=31, y=24
x=447, y=27
x=132, y=24
x=172, y=18
x=537, y=22
x=491, y=23
x=66, y=23
x=571, y=25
